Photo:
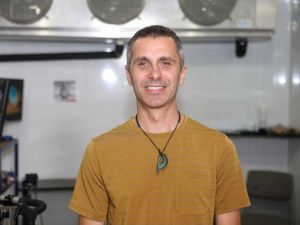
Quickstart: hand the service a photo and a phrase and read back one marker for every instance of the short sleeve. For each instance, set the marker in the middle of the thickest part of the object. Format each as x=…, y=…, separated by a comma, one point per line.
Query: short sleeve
x=231, y=193
x=90, y=197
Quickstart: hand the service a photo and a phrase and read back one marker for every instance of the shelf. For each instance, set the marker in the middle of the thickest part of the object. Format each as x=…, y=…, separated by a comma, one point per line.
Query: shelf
x=10, y=146
x=7, y=186
x=7, y=144
x=54, y=185
x=261, y=135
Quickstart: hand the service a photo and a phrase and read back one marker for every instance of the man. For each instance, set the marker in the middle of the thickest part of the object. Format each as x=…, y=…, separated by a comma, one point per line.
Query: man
x=160, y=167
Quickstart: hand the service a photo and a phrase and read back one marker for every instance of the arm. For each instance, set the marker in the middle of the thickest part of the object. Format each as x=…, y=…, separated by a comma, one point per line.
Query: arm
x=89, y=198
x=86, y=221
x=230, y=218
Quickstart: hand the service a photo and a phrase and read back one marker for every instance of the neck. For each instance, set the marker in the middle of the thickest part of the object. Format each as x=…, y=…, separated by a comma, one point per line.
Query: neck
x=158, y=121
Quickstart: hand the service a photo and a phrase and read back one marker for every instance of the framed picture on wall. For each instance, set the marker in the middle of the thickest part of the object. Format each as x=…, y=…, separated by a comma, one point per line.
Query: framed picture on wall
x=15, y=100
x=4, y=87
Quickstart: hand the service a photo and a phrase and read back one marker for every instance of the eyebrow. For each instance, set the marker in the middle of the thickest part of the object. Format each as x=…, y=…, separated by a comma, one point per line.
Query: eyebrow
x=162, y=58
x=167, y=58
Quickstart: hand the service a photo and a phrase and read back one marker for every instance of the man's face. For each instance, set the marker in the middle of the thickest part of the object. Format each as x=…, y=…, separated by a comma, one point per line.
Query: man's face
x=154, y=72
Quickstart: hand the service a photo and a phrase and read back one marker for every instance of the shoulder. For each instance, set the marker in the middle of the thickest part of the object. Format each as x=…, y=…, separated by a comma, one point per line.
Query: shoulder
x=203, y=130
x=113, y=136
x=195, y=129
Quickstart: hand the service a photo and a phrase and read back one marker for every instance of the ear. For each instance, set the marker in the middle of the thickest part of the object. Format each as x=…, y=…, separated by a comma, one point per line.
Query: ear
x=128, y=75
x=182, y=74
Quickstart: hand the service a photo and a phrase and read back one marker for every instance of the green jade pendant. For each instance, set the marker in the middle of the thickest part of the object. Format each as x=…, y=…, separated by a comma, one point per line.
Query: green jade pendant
x=162, y=162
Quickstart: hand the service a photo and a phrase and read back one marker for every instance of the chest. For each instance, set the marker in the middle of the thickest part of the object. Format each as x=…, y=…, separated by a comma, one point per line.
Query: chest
x=130, y=173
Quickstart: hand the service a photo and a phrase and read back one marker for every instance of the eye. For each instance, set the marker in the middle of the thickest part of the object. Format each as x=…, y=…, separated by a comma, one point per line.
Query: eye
x=166, y=63
x=141, y=63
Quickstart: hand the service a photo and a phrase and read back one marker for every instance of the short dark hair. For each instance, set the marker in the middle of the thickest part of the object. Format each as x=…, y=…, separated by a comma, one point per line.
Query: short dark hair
x=153, y=32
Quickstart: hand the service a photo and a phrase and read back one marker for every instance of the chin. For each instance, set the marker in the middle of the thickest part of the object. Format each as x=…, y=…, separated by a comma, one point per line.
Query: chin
x=155, y=105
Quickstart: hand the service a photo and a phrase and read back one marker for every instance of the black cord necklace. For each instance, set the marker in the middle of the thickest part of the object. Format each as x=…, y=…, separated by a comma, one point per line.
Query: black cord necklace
x=162, y=160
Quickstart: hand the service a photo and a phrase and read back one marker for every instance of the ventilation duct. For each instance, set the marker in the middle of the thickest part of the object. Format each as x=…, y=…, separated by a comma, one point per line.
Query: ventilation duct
x=109, y=20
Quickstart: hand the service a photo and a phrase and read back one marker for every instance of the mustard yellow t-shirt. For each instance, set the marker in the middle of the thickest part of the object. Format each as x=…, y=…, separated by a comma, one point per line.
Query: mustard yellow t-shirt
x=118, y=182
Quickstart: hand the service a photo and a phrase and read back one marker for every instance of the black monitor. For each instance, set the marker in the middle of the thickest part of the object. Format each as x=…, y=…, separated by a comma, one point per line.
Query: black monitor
x=4, y=88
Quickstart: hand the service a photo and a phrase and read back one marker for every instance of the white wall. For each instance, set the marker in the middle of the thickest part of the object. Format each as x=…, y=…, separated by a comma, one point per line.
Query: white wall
x=295, y=66
x=294, y=149
x=221, y=91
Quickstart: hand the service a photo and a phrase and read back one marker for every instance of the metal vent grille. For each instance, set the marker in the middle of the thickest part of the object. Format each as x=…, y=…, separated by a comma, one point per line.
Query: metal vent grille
x=207, y=12
x=116, y=11
x=24, y=11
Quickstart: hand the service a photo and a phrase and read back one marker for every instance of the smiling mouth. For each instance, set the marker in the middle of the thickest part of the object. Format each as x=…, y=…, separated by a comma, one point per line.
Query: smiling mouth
x=154, y=88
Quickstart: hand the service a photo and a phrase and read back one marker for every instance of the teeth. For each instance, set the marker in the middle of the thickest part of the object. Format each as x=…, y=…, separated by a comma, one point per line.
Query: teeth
x=154, y=88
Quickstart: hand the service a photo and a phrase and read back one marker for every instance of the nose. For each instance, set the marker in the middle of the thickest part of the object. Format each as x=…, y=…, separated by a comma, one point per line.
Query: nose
x=154, y=73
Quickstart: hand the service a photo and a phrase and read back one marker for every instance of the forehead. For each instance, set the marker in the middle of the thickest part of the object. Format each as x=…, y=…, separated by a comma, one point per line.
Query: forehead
x=154, y=45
